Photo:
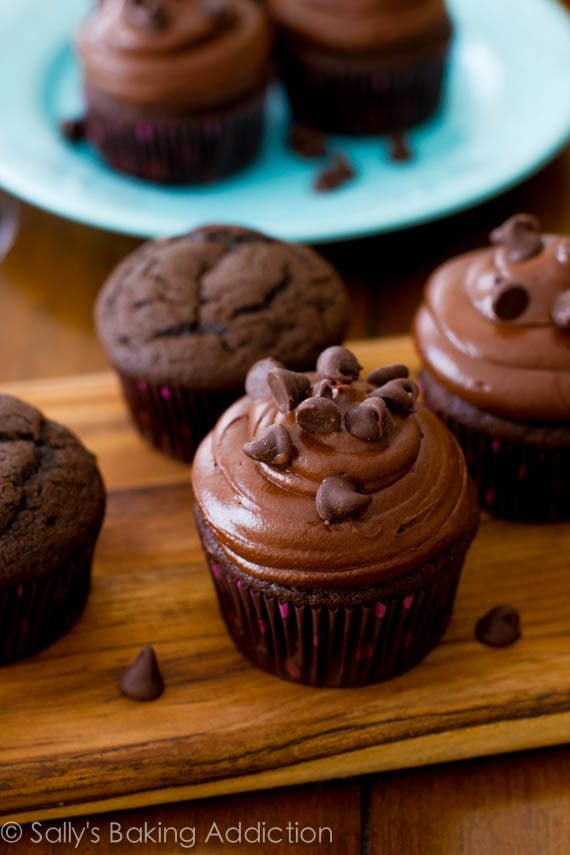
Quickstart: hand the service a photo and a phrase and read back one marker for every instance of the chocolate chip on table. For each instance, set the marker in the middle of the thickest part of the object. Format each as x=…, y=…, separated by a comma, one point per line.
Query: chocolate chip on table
x=400, y=151
x=338, y=498
x=256, y=381
x=388, y=372
x=142, y=680
x=399, y=394
x=288, y=388
x=274, y=447
x=520, y=235
x=561, y=311
x=370, y=420
x=319, y=415
x=73, y=130
x=307, y=141
x=510, y=301
x=338, y=363
x=335, y=173
x=500, y=627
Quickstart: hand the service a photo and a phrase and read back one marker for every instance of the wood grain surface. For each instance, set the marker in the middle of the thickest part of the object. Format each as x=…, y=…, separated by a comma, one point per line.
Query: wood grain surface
x=76, y=746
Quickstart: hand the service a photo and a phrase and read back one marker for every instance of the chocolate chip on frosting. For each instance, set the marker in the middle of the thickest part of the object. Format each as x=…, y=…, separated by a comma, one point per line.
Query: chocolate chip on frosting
x=142, y=681
x=563, y=252
x=288, y=388
x=148, y=14
x=520, y=235
x=339, y=364
x=338, y=499
x=389, y=372
x=274, y=447
x=370, y=420
x=323, y=389
x=510, y=301
x=318, y=415
x=499, y=627
x=256, y=385
x=400, y=394
x=219, y=11
x=561, y=311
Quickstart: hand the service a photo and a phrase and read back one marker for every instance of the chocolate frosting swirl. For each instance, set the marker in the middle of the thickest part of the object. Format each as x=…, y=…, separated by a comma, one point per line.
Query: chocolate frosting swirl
x=361, y=25
x=267, y=519
x=201, y=54
x=490, y=330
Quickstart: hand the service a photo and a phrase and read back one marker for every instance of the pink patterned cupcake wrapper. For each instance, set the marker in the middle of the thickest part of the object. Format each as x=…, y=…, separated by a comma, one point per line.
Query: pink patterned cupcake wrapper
x=515, y=480
x=35, y=613
x=371, y=101
x=174, y=419
x=197, y=150
x=334, y=646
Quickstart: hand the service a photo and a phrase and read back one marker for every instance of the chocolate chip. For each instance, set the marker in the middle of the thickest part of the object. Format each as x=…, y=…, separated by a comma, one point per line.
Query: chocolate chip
x=337, y=172
x=399, y=149
x=520, y=235
x=499, y=627
x=147, y=14
x=219, y=11
x=338, y=498
x=307, y=141
x=389, y=372
x=339, y=364
x=370, y=420
x=256, y=381
x=73, y=130
x=561, y=311
x=323, y=389
x=510, y=302
x=400, y=394
x=142, y=681
x=274, y=447
x=318, y=415
x=288, y=388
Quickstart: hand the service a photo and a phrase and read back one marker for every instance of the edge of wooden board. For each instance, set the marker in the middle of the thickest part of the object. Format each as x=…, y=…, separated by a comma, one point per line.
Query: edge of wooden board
x=463, y=744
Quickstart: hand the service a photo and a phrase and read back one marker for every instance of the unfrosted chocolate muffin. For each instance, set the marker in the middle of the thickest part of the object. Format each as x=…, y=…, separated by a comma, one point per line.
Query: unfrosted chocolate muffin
x=362, y=66
x=182, y=320
x=175, y=90
x=52, y=502
x=493, y=333
x=335, y=519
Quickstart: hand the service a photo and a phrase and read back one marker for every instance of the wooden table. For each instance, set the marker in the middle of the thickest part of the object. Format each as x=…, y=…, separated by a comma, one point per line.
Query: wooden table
x=514, y=804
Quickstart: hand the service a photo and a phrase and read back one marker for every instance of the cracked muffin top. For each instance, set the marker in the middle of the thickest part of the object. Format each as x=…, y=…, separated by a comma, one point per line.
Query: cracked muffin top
x=52, y=497
x=200, y=309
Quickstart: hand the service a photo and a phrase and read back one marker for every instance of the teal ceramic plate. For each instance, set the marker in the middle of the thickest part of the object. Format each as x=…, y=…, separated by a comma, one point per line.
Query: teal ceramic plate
x=507, y=112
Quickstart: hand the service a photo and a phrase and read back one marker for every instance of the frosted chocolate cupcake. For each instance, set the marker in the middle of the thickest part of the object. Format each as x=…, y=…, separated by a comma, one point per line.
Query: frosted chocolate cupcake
x=52, y=503
x=183, y=320
x=175, y=90
x=362, y=66
x=335, y=519
x=494, y=336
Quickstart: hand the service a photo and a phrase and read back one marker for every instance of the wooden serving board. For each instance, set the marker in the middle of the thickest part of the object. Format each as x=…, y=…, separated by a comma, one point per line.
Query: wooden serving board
x=71, y=744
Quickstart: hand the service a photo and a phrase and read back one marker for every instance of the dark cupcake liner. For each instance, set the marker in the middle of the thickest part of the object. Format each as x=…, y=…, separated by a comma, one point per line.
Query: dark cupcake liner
x=185, y=150
x=515, y=480
x=174, y=419
x=329, y=643
x=35, y=613
x=374, y=99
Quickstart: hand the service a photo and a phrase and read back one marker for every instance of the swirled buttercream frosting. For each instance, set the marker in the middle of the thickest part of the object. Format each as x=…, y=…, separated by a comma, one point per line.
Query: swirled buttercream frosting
x=356, y=25
x=177, y=53
x=328, y=478
x=494, y=327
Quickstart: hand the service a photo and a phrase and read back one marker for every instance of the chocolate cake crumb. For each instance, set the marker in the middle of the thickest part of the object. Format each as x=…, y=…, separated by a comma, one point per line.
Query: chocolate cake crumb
x=400, y=151
x=307, y=141
x=73, y=130
x=336, y=172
